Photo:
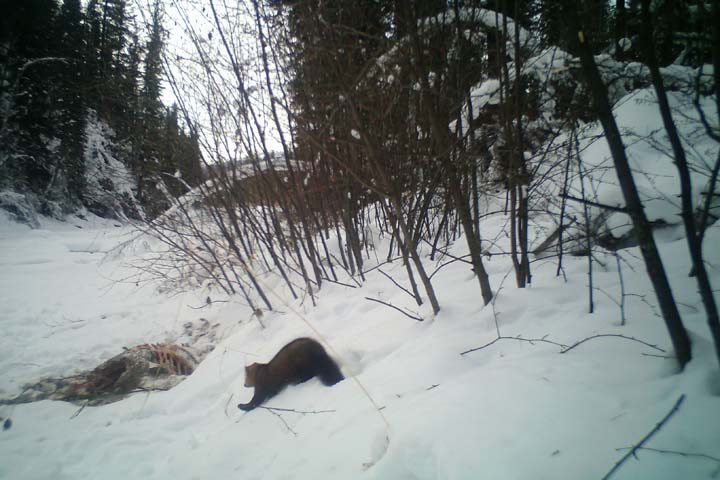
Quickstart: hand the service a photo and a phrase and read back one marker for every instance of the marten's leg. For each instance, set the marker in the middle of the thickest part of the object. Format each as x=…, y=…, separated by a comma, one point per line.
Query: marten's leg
x=304, y=376
x=259, y=397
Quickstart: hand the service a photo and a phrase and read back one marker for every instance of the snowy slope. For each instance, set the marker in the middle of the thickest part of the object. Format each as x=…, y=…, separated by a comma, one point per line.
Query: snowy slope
x=650, y=155
x=511, y=410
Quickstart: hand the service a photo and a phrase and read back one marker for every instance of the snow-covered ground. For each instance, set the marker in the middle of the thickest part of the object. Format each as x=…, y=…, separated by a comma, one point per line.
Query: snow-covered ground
x=512, y=410
x=411, y=407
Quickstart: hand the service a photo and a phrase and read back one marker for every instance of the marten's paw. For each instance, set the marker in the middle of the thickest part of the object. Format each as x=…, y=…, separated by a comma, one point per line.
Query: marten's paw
x=246, y=406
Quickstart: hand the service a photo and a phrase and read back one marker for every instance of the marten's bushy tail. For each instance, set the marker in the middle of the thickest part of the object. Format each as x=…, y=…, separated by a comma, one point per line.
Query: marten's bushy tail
x=328, y=371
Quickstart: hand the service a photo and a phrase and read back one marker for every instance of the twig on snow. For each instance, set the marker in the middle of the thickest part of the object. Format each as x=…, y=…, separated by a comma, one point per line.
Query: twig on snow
x=622, y=289
x=674, y=452
x=647, y=437
x=567, y=349
x=414, y=317
x=282, y=420
x=397, y=284
x=337, y=282
x=564, y=348
x=519, y=338
x=292, y=410
x=275, y=410
x=226, y=405
x=643, y=298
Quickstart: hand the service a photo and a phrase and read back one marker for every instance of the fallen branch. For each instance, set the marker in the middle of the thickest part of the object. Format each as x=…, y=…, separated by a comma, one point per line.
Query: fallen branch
x=337, y=282
x=518, y=338
x=564, y=348
x=419, y=319
x=226, y=405
x=647, y=437
x=646, y=302
x=567, y=349
x=397, y=284
x=674, y=452
x=282, y=420
x=292, y=410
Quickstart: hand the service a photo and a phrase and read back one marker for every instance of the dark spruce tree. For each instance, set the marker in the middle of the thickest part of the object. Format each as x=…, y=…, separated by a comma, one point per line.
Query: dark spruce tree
x=71, y=104
x=163, y=153
x=106, y=56
x=148, y=164
x=32, y=68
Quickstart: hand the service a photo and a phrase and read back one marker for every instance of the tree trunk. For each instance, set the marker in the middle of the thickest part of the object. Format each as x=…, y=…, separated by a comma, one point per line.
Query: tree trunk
x=653, y=262
x=688, y=215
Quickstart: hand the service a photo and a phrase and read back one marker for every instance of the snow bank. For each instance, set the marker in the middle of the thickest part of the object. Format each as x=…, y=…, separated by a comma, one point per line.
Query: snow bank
x=650, y=156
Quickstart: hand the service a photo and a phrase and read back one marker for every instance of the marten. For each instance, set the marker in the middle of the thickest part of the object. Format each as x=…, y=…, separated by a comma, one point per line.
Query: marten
x=297, y=362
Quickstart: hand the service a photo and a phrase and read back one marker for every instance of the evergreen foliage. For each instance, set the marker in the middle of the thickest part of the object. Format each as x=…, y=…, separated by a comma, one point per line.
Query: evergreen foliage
x=58, y=63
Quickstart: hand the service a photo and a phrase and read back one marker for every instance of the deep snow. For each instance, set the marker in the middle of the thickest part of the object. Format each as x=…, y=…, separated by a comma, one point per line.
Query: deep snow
x=512, y=410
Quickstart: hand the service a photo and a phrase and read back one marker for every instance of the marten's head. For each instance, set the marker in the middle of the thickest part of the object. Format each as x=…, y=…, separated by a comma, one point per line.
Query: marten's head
x=251, y=374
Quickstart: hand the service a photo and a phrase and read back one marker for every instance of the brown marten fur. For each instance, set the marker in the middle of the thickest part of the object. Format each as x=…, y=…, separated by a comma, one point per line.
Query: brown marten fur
x=297, y=362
